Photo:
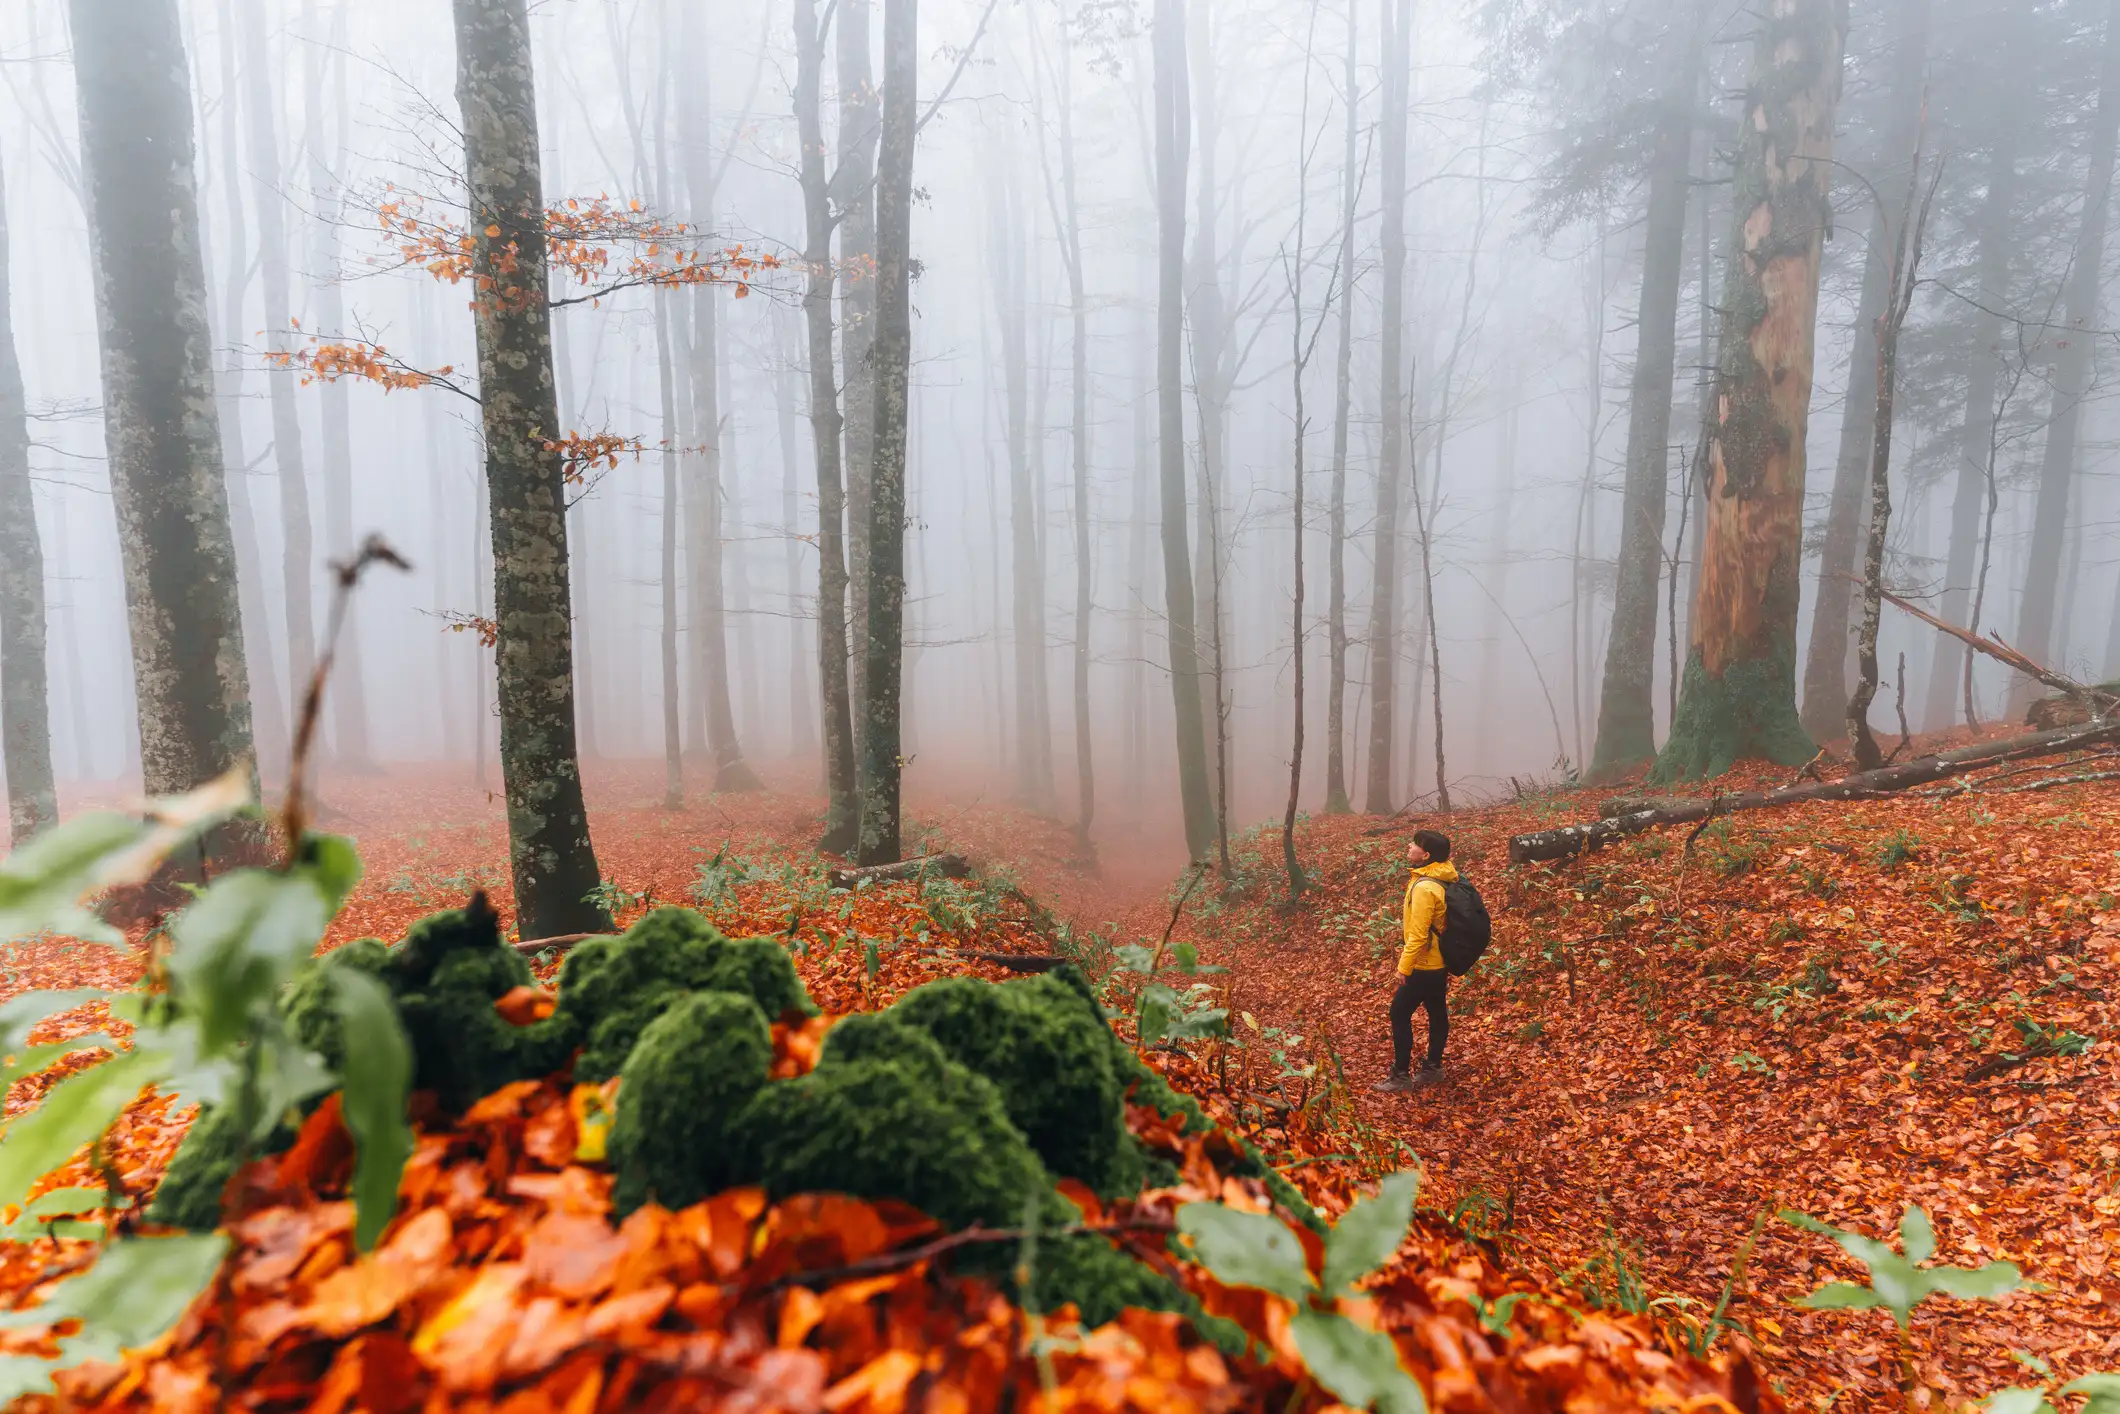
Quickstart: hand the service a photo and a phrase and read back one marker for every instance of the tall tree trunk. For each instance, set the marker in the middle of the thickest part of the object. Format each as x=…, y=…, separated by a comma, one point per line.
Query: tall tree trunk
x=787, y=396
x=1397, y=34
x=269, y=713
x=1739, y=696
x=1209, y=314
x=1970, y=491
x=349, y=686
x=1336, y=801
x=2072, y=370
x=550, y=855
x=1626, y=716
x=854, y=183
x=260, y=105
x=1173, y=149
x=708, y=618
x=161, y=426
x=1009, y=244
x=672, y=459
x=1497, y=570
x=1070, y=223
x=25, y=710
x=1825, y=669
x=1140, y=514
x=843, y=808
x=891, y=355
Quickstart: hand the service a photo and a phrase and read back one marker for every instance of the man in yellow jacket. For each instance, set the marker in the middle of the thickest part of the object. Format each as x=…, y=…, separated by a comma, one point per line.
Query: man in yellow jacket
x=1423, y=982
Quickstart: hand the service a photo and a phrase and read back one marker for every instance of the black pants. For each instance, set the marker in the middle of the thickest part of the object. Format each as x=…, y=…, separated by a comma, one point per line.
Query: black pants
x=1422, y=989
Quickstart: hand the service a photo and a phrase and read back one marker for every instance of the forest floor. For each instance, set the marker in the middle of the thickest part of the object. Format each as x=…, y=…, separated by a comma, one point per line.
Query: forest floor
x=1669, y=1039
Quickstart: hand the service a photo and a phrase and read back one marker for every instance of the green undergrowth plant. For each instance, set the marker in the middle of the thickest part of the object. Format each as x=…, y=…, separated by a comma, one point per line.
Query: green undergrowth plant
x=207, y=1028
x=1170, y=1004
x=1358, y=1365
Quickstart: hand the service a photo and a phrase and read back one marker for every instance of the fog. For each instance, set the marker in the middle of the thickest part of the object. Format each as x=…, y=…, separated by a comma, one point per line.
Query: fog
x=1529, y=221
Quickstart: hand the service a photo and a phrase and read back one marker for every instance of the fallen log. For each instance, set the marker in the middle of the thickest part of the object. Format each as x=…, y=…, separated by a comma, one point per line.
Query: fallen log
x=1571, y=840
x=938, y=866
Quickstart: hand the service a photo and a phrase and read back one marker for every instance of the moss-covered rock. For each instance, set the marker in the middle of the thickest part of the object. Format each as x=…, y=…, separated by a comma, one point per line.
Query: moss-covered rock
x=692, y=1071
x=190, y=1194
x=612, y=988
x=311, y=1004
x=886, y=1114
x=446, y=976
x=1048, y=1050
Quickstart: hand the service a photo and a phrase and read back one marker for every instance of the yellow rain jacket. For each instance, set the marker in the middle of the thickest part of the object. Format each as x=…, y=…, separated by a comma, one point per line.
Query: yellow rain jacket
x=1424, y=918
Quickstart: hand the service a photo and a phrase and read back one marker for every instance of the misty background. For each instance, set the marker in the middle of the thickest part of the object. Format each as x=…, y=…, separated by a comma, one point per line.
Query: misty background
x=1525, y=247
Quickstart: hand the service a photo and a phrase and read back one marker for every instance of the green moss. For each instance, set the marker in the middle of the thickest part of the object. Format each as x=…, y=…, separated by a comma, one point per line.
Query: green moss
x=190, y=1194
x=311, y=1004
x=1748, y=711
x=886, y=1114
x=691, y=1072
x=1046, y=1048
x=611, y=989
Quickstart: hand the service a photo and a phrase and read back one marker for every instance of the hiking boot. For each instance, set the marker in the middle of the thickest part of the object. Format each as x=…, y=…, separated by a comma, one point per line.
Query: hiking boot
x=1427, y=1075
x=1396, y=1083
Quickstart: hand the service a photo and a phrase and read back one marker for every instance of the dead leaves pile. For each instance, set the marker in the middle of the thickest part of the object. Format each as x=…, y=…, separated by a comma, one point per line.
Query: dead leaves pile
x=1814, y=1007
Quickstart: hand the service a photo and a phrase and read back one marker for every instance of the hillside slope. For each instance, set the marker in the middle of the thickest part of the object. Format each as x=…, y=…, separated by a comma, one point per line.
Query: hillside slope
x=1827, y=1008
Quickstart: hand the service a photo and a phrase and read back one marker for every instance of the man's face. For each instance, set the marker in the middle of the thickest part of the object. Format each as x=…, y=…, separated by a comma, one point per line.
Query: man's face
x=1415, y=855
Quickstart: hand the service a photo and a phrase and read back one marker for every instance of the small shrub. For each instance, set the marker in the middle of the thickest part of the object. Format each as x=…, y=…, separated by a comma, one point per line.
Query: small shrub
x=1897, y=851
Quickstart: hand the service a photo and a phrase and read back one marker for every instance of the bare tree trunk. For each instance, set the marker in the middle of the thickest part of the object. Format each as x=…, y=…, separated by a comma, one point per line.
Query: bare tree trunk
x=672, y=440
x=260, y=104
x=25, y=710
x=2072, y=370
x=1739, y=696
x=168, y=486
x=1067, y=219
x=1905, y=265
x=1435, y=648
x=1397, y=32
x=349, y=687
x=843, y=811
x=854, y=184
x=269, y=715
x=1825, y=669
x=1336, y=801
x=550, y=855
x=891, y=351
x=1984, y=366
x=1173, y=148
x=1626, y=717
x=802, y=725
x=1008, y=244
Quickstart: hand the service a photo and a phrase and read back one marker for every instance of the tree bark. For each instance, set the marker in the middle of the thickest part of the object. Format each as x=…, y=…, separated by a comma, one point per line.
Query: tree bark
x=1336, y=801
x=349, y=686
x=1739, y=695
x=550, y=855
x=269, y=714
x=1391, y=443
x=802, y=726
x=854, y=184
x=2072, y=370
x=843, y=808
x=25, y=710
x=891, y=361
x=260, y=104
x=1975, y=439
x=1173, y=147
x=666, y=637
x=1825, y=669
x=1626, y=717
x=168, y=485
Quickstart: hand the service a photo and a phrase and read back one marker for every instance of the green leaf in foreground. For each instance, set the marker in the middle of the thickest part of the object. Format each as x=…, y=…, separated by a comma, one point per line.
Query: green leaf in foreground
x=1247, y=1249
x=1369, y=1233
x=1898, y=1281
x=378, y=1074
x=75, y=1112
x=1360, y=1367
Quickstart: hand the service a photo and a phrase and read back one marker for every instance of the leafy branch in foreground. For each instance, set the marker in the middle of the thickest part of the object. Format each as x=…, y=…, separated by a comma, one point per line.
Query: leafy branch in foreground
x=1358, y=1365
x=207, y=1028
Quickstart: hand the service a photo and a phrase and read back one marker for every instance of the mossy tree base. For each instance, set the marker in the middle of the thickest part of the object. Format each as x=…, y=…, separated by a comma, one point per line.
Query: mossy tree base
x=1749, y=711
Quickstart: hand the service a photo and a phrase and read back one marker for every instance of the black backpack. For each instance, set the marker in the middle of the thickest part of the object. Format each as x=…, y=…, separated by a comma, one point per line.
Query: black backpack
x=1466, y=927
